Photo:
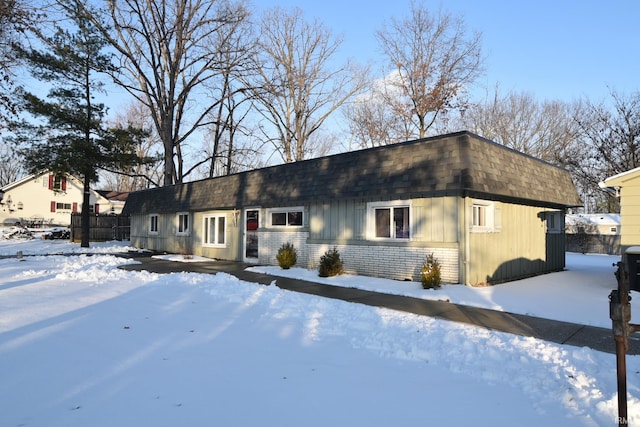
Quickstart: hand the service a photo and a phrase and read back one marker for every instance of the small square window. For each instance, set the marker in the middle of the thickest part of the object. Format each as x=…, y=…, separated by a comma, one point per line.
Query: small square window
x=479, y=215
x=482, y=217
x=294, y=218
x=279, y=218
x=289, y=217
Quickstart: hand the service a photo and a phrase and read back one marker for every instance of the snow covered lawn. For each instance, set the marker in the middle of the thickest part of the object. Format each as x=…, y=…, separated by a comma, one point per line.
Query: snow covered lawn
x=83, y=343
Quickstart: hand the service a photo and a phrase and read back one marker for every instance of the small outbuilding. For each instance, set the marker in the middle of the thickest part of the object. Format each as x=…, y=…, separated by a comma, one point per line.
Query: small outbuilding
x=487, y=213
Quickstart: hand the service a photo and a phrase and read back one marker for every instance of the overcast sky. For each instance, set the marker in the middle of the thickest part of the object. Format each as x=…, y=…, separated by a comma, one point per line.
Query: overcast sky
x=555, y=49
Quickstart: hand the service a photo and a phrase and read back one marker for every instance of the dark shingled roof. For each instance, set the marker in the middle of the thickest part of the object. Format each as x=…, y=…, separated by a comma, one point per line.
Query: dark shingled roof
x=458, y=164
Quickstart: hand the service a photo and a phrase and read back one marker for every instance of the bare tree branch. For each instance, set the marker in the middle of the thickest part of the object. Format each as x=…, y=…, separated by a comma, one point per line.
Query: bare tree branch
x=434, y=60
x=297, y=89
x=169, y=49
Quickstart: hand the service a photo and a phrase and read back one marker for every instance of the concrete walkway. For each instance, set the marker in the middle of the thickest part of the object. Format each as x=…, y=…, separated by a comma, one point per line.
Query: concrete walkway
x=549, y=330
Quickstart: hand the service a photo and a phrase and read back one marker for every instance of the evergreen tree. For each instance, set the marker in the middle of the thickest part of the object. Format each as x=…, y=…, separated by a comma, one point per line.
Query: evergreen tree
x=69, y=135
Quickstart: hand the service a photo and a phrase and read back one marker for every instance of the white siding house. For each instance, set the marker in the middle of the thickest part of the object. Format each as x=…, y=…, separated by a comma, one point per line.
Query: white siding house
x=47, y=199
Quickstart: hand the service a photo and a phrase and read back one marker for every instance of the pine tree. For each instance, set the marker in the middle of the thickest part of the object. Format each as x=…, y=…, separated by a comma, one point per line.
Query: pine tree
x=69, y=135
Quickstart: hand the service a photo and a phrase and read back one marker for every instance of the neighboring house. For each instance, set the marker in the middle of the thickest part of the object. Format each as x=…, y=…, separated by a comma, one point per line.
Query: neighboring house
x=627, y=186
x=115, y=201
x=607, y=224
x=593, y=233
x=488, y=213
x=46, y=199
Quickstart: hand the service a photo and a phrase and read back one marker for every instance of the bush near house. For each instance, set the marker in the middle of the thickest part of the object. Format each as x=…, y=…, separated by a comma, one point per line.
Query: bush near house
x=287, y=256
x=330, y=264
x=430, y=273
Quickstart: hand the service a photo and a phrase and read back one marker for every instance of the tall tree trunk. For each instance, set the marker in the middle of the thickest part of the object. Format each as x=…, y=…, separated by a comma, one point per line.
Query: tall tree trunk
x=84, y=215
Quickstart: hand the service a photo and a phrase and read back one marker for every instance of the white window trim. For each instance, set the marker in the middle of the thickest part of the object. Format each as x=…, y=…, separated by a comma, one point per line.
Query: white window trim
x=490, y=218
x=151, y=231
x=188, y=230
x=371, y=219
x=270, y=211
x=206, y=218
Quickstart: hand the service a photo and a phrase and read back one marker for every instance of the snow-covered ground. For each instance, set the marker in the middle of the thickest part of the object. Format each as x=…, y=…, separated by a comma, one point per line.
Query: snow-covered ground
x=84, y=343
x=579, y=294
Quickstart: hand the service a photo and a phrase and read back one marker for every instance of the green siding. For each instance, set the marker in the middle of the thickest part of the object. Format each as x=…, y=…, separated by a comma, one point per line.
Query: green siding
x=167, y=239
x=520, y=230
x=434, y=220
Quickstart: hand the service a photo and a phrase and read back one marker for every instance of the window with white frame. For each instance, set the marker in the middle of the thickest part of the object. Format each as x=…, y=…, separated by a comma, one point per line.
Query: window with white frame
x=289, y=217
x=482, y=216
x=389, y=220
x=153, y=223
x=215, y=229
x=182, y=226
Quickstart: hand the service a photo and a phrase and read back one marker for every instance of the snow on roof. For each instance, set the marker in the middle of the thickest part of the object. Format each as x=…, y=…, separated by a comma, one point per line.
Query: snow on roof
x=595, y=219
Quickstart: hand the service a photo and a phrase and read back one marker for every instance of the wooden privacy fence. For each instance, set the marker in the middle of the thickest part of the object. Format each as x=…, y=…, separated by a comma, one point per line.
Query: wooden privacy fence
x=101, y=227
x=594, y=243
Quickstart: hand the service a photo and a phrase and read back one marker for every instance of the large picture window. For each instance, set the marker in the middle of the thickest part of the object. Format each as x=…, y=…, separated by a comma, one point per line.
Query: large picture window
x=390, y=221
x=215, y=228
x=290, y=217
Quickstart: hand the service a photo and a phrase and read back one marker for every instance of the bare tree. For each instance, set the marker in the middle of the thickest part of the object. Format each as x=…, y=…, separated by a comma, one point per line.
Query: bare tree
x=235, y=102
x=610, y=137
x=10, y=166
x=546, y=130
x=373, y=122
x=168, y=52
x=434, y=60
x=140, y=175
x=297, y=88
x=614, y=132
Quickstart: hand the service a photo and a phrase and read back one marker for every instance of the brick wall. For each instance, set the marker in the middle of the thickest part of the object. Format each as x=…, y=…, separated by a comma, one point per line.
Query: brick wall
x=392, y=262
x=271, y=241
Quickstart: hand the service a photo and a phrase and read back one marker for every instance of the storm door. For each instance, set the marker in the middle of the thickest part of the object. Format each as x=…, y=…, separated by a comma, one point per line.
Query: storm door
x=251, y=225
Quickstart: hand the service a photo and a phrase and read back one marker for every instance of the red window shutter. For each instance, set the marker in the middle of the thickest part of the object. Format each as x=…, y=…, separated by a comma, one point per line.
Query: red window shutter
x=63, y=184
x=51, y=181
x=96, y=208
x=75, y=207
x=53, y=206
